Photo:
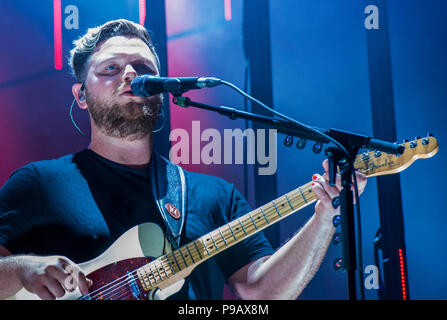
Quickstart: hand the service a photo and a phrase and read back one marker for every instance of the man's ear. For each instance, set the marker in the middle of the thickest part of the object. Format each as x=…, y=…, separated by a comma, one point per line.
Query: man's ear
x=78, y=90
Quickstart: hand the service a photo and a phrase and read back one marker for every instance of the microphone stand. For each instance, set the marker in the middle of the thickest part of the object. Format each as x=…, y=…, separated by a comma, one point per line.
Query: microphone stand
x=337, y=157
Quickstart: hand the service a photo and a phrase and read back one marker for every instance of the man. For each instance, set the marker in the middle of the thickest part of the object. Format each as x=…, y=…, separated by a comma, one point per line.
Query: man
x=56, y=214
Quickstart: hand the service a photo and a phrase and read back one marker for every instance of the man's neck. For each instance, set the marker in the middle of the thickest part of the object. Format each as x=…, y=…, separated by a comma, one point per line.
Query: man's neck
x=132, y=153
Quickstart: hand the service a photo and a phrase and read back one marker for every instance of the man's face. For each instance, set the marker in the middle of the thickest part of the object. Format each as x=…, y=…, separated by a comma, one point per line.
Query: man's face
x=115, y=110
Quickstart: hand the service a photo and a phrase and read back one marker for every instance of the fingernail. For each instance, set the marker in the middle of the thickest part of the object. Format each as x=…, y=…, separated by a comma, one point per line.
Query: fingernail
x=313, y=184
x=314, y=177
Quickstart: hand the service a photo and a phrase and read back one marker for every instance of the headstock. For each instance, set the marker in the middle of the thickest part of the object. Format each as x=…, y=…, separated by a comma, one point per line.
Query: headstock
x=376, y=163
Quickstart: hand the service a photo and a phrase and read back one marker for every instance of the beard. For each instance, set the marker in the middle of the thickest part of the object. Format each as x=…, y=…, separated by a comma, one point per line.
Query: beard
x=132, y=120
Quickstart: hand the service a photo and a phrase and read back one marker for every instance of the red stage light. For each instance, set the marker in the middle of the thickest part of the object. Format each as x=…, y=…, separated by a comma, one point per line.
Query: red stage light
x=402, y=275
x=142, y=11
x=227, y=5
x=57, y=34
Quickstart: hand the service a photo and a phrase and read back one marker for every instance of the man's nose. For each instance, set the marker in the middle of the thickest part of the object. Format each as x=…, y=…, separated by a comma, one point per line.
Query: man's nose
x=129, y=73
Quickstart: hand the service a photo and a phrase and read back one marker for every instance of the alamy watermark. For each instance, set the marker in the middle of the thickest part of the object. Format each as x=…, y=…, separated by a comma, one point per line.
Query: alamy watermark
x=188, y=148
x=372, y=20
x=372, y=279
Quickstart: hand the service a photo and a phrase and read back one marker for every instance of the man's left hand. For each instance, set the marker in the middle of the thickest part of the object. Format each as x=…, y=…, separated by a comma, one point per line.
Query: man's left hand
x=326, y=192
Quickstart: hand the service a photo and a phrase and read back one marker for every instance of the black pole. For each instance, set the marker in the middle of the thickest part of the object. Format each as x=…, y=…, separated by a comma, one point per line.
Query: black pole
x=392, y=237
x=156, y=24
x=256, y=35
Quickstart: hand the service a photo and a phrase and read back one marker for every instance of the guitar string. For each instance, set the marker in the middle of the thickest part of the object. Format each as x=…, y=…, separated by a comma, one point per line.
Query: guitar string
x=268, y=210
x=106, y=291
x=122, y=281
x=280, y=201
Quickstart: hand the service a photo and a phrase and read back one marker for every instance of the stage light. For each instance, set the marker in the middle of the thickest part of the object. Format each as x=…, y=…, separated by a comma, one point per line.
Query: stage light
x=57, y=34
x=227, y=5
x=402, y=275
x=142, y=11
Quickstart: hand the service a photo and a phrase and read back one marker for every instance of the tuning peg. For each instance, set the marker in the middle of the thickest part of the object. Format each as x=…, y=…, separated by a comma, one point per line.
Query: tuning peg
x=337, y=238
x=413, y=144
x=365, y=156
x=288, y=141
x=425, y=141
x=336, y=220
x=405, y=141
x=338, y=264
x=301, y=143
x=430, y=134
x=317, y=147
x=417, y=138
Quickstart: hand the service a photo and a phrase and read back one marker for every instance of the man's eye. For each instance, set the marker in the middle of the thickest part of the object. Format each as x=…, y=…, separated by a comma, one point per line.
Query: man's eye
x=111, y=68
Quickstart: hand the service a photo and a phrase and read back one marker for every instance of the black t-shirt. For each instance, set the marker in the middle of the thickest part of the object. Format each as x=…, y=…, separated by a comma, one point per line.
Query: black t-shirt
x=79, y=204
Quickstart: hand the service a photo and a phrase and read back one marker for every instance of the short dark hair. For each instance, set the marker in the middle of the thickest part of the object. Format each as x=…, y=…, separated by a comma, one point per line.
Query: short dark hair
x=85, y=45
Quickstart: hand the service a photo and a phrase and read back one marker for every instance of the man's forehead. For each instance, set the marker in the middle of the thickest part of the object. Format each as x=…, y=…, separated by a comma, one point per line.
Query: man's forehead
x=121, y=46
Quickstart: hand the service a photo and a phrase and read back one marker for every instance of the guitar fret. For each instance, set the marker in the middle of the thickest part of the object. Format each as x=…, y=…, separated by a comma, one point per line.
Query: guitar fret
x=205, y=247
x=276, y=208
x=207, y=239
x=238, y=219
x=162, y=268
x=237, y=229
x=232, y=231
x=143, y=274
x=170, y=266
x=179, y=257
x=302, y=194
x=183, y=257
x=148, y=278
x=186, y=255
x=151, y=273
x=263, y=213
x=259, y=219
x=176, y=262
x=228, y=234
x=197, y=249
x=156, y=268
x=253, y=220
x=217, y=248
x=250, y=227
x=223, y=237
x=295, y=199
x=290, y=204
x=190, y=254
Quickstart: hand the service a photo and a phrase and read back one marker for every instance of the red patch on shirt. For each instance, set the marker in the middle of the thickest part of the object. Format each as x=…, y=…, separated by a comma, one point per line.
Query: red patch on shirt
x=173, y=211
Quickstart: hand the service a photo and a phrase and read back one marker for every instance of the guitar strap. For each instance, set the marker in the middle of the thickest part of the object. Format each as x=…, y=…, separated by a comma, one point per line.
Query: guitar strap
x=169, y=190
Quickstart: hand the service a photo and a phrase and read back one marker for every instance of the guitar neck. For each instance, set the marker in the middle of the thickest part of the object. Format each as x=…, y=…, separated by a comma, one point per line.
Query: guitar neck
x=187, y=257
x=224, y=237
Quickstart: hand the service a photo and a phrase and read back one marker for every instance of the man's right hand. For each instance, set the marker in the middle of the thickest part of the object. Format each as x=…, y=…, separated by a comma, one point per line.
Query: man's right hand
x=50, y=277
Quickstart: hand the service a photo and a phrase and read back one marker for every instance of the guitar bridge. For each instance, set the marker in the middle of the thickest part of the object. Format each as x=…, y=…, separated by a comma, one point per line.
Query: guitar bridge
x=133, y=286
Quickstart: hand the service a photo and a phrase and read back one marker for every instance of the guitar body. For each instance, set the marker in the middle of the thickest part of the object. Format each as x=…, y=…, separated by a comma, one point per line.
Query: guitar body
x=113, y=269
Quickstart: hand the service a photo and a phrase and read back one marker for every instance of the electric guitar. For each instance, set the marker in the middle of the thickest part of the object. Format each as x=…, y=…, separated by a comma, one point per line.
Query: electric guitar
x=142, y=265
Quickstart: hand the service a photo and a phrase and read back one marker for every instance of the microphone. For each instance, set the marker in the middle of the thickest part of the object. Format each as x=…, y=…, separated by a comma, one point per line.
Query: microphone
x=146, y=85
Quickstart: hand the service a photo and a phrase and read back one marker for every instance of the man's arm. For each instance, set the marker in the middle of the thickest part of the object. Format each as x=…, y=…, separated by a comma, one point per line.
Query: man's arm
x=9, y=284
x=43, y=276
x=286, y=273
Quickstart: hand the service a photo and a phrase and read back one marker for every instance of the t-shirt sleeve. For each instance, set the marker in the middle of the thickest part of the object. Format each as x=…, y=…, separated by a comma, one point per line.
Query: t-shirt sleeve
x=19, y=203
x=252, y=248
